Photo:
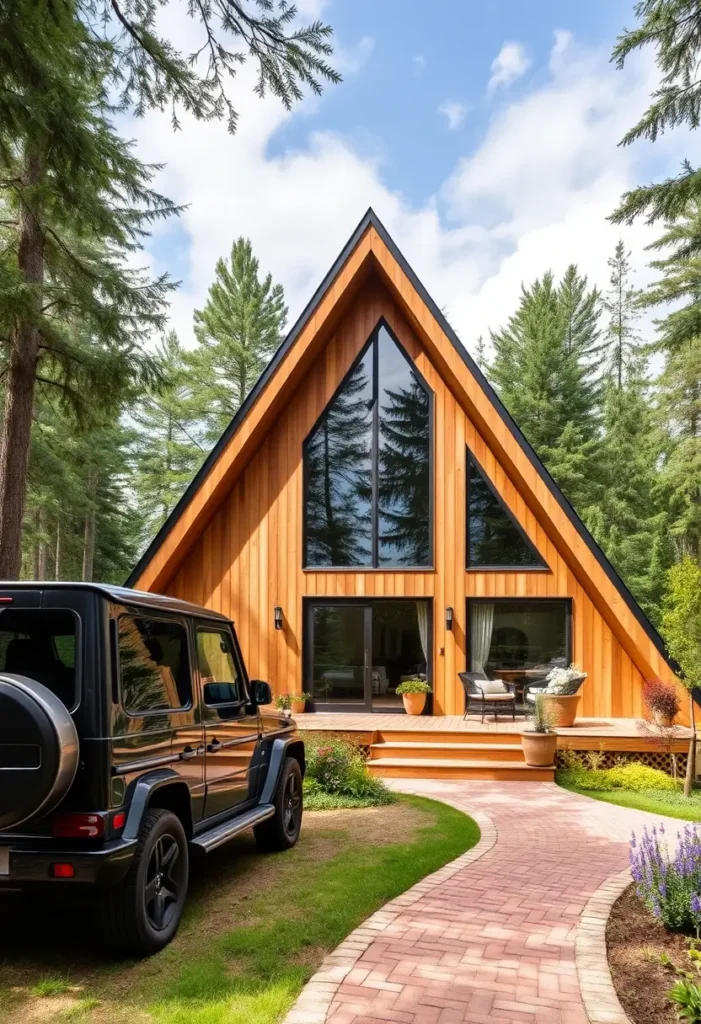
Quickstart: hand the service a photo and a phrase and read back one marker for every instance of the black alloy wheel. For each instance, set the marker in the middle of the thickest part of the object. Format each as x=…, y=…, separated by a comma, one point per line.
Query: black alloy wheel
x=165, y=880
x=292, y=805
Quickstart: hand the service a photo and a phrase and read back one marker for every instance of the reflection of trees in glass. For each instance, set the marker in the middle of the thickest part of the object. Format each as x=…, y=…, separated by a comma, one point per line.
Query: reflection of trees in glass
x=143, y=685
x=494, y=539
x=339, y=476
x=404, y=476
x=381, y=415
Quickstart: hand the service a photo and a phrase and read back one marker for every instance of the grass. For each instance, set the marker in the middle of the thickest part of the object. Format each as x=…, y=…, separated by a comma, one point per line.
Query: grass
x=337, y=801
x=51, y=987
x=657, y=801
x=257, y=926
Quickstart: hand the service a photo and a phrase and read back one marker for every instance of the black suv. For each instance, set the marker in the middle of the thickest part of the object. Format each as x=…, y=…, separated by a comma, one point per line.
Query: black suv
x=130, y=738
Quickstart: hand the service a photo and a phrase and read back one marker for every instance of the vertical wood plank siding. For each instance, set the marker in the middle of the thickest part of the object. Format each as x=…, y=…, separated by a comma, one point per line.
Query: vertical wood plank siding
x=249, y=557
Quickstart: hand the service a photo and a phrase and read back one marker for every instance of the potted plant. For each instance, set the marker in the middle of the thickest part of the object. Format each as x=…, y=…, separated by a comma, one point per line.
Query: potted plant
x=283, y=702
x=413, y=693
x=539, y=744
x=662, y=701
x=299, y=702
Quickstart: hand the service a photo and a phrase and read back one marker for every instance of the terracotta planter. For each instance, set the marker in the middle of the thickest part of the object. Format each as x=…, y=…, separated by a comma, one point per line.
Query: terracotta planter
x=561, y=710
x=299, y=707
x=664, y=721
x=539, y=748
x=414, y=703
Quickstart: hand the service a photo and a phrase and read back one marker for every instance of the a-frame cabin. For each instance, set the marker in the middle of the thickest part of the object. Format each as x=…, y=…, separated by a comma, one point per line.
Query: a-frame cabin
x=375, y=494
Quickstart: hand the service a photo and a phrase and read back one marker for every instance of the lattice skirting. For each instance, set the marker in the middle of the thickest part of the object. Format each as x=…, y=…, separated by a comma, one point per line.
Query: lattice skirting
x=652, y=758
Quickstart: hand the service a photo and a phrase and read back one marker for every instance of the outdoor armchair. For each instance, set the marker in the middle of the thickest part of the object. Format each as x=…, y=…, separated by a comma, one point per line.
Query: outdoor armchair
x=483, y=694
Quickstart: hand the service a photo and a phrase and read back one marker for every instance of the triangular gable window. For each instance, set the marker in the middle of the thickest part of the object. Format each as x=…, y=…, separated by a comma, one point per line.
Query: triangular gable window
x=367, y=466
x=495, y=540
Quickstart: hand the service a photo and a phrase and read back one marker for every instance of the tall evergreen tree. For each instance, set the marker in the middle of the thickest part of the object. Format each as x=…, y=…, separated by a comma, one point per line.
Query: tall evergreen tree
x=167, y=446
x=679, y=266
x=672, y=27
x=238, y=330
x=622, y=339
x=546, y=377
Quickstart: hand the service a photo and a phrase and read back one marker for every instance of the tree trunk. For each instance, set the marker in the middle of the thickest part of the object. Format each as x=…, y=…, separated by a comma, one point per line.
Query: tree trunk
x=57, y=560
x=21, y=376
x=89, y=532
x=691, y=763
x=41, y=546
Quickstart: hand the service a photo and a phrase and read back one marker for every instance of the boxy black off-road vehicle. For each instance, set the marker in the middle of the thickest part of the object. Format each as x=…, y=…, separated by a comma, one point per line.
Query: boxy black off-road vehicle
x=130, y=737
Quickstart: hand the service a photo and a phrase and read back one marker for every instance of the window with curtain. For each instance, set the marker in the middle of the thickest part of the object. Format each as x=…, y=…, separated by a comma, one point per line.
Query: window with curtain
x=367, y=466
x=514, y=634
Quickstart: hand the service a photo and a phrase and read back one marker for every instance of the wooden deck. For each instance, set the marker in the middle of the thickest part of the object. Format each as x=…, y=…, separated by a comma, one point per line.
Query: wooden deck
x=448, y=747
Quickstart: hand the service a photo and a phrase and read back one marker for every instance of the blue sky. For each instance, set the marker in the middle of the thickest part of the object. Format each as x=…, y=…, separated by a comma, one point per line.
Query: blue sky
x=485, y=136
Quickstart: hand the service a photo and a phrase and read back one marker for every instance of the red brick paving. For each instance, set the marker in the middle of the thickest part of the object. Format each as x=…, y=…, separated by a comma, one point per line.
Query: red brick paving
x=493, y=941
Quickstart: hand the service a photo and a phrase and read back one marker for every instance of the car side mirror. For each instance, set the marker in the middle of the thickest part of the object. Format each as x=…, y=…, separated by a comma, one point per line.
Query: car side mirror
x=262, y=694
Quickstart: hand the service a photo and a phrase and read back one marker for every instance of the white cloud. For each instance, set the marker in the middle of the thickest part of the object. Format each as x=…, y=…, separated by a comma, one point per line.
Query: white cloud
x=349, y=60
x=510, y=63
x=418, y=63
x=534, y=195
x=454, y=112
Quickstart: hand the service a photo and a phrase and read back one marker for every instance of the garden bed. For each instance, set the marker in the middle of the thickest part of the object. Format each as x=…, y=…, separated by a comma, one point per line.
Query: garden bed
x=635, y=940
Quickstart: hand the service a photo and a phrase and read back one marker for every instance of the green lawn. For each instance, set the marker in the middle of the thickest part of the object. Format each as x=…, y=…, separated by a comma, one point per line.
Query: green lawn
x=255, y=930
x=656, y=801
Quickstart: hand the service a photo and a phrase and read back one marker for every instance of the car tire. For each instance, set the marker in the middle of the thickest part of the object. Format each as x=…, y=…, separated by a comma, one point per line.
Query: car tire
x=281, y=832
x=143, y=910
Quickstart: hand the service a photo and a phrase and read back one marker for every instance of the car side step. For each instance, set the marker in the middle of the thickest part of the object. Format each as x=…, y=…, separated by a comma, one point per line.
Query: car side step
x=222, y=833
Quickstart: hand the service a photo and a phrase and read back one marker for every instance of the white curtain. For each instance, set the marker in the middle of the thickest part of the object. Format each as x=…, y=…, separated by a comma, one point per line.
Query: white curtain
x=481, y=623
x=422, y=619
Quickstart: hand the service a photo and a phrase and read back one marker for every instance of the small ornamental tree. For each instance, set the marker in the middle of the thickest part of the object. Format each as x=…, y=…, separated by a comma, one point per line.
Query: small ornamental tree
x=681, y=627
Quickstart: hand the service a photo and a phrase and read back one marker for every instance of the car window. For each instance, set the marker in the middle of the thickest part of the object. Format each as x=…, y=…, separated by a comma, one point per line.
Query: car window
x=215, y=658
x=154, y=671
x=40, y=643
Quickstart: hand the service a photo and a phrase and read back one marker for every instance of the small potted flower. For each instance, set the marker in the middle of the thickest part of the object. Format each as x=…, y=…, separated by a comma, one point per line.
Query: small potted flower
x=413, y=693
x=539, y=744
x=299, y=702
x=283, y=702
x=662, y=701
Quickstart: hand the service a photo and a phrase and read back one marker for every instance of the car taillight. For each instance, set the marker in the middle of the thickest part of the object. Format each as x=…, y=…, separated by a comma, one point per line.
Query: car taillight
x=78, y=826
x=62, y=871
x=119, y=821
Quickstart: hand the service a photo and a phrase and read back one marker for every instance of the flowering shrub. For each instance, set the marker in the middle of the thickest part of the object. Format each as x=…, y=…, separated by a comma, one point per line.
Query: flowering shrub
x=669, y=887
x=334, y=766
x=661, y=697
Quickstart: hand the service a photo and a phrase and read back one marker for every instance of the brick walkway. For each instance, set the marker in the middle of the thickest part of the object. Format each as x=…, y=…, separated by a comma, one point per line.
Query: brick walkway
x=491, y=938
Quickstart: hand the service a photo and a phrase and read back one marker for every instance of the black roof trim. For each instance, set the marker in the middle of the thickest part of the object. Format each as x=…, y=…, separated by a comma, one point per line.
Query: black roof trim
x=120, y=595
x=371, y=219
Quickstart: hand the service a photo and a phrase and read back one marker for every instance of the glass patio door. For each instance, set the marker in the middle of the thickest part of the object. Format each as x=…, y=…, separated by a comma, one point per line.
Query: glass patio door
x=357, y=653
x=339, y=640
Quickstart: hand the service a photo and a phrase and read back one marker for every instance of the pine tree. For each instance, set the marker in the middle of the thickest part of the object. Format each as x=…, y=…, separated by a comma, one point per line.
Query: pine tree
x=238, y=330
x=167, y=448
x=546, y=377
x=622, y=339
x=672, y=27
x=680, y=282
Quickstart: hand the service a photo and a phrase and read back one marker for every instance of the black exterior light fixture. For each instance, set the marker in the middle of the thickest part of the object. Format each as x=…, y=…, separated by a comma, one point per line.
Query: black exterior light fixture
x=449, y=618
x=277, y=612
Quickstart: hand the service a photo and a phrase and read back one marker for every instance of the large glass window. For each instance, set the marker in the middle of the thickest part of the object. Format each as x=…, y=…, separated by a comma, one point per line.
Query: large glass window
x=494, y=538
x=367, y=466
x=511, y=637
x=41, y=644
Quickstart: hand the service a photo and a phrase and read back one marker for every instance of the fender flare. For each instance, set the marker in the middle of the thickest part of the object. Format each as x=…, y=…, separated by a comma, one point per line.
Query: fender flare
x=281, y=746
x=143, y=790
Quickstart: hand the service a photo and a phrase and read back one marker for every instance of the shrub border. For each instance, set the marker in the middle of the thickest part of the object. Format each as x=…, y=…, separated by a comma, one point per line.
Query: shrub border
x=315, y=999
x=601, y=1004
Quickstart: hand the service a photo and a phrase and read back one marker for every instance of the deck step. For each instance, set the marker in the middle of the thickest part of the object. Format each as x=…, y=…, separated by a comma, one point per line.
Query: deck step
x=451, y=751
x=451, y=768
x=436, y=736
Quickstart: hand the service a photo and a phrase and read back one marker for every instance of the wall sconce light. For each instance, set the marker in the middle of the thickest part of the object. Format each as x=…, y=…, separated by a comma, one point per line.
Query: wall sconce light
x=277, y=612
x=449, y=618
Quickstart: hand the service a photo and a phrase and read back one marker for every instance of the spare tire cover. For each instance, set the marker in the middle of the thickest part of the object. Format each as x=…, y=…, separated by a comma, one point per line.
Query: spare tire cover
x=38, y=750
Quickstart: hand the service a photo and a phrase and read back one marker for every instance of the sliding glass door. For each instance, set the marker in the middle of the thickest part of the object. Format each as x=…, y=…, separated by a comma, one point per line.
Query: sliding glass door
x=357, y=652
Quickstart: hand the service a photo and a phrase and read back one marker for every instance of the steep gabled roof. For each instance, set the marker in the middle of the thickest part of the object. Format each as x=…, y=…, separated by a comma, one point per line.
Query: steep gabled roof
x=370, y=245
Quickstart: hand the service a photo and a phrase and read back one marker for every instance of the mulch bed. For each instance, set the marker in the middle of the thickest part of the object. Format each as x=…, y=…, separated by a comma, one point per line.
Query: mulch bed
x=634, y=940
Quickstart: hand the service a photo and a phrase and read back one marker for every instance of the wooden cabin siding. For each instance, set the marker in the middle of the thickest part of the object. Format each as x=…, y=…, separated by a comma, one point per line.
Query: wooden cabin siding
x=249, y=556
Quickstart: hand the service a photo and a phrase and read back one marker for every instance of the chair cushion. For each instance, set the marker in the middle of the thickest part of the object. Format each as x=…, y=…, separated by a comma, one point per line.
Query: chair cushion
x=492, y=686
x=496, y=698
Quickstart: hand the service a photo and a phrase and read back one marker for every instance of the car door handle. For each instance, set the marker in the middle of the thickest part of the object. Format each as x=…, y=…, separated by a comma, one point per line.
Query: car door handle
x=213, y=745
